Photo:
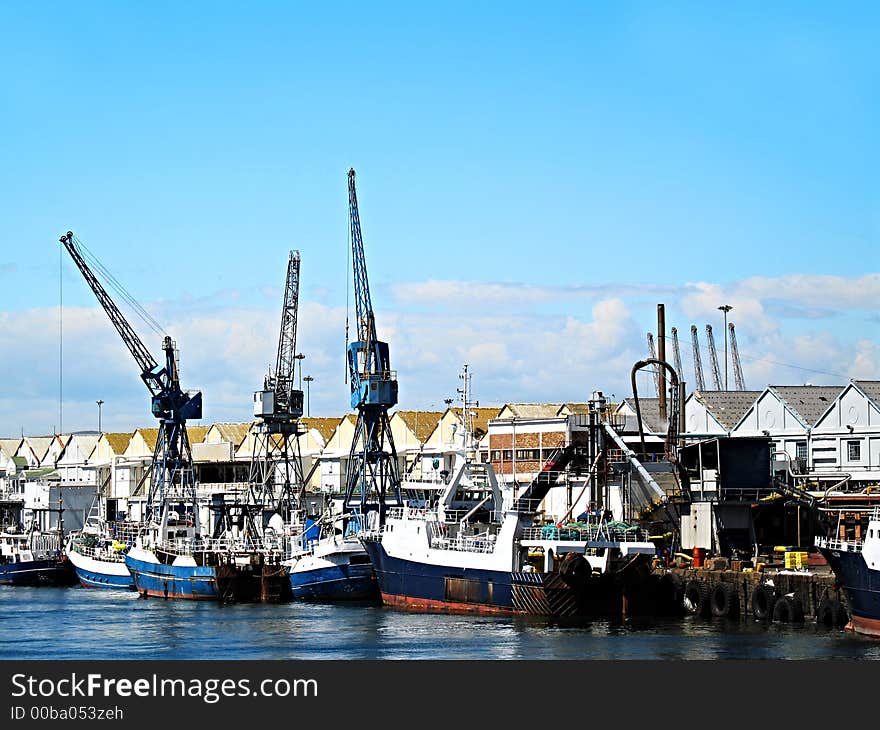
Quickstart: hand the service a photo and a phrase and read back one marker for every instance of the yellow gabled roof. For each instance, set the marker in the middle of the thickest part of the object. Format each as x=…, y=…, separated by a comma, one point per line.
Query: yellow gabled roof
x=196, y=433
x=232, y=432
x=149, y=436
x=482, y=416
x=118, y=441
x=324, y=426
x=421, y=423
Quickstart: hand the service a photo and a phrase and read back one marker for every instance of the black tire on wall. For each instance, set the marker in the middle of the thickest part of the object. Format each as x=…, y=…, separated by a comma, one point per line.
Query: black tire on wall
x=724, y=600
x=831, y=613
x=696, y=597
x=763, y=601
x=788, y=611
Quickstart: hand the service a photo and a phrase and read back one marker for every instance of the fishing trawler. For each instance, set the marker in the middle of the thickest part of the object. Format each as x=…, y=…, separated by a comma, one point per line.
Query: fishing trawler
x=31, y=556
x=97, y=552
x=856, y=565
x=330, y=563
x=469, y=553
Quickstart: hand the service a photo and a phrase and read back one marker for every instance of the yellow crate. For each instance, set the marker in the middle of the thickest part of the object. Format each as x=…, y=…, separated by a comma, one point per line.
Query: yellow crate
x=796, y=559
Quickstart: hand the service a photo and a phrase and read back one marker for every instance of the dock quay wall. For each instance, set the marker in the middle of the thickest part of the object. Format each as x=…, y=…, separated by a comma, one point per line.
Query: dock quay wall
x=812, y=589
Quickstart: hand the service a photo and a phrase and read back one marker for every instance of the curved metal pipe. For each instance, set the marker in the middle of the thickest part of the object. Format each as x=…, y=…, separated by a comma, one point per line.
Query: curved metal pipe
x=669, y=421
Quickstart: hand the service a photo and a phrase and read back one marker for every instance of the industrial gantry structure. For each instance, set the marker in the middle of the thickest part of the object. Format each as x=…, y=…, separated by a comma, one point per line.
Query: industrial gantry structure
x=276, y=473
x=172, y=481
x=373, y=469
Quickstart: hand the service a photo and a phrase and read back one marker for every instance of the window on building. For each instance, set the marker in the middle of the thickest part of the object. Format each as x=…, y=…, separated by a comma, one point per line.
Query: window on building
x=854, y=450
x=800, y=450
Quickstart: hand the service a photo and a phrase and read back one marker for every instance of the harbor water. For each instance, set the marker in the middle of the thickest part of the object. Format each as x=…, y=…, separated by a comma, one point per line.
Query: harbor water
x=77, y=623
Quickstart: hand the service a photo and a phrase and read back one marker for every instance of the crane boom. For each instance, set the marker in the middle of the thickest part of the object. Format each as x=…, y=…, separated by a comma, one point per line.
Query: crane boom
x=713, y=358
x=172, y=479
x=698, y=361
x=652, y=354
x=373, y=464
x=737, y=365
x=676, y=354
x=134, y=343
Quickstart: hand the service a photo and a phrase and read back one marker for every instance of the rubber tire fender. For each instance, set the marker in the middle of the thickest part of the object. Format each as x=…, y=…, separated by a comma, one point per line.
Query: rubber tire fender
x=788, y=611
x=724, y=600
x=696, y=597
x=763, y=601
x=831, y=613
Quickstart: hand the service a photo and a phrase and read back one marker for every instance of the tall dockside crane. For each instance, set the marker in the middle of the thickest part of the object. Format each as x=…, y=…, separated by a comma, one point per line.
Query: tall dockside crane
x=713, y=358
x=734, y=355
x=373, y=469
x=652, y=354
x=276, y=474
x=172, y=481
x=698, y=361
x=676, y=354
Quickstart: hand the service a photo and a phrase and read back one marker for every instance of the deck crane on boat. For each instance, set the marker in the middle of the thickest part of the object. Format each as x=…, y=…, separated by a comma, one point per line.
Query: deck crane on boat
x=698, y=361
x=373, y=472
x=276, y=473
x=734, y=354
x=713, y=358
x=172, y=481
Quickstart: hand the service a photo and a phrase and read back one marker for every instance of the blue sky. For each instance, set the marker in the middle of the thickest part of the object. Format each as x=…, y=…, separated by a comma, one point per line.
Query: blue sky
x=532, y=182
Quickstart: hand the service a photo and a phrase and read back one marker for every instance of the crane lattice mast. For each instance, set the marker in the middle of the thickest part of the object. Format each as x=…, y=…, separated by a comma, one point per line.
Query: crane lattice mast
x=172, y=480
x=713, y=358
x=676, y=355
x=276, y=473
x=734, y=353
x=698, y=361
x=652, y=354
x=373, y=469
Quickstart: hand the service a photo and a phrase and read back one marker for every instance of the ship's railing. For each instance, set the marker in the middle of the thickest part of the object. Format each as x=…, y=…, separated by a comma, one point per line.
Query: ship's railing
x=583, y=534
x=103, y=553
x=484, y=543
x=45, y=543
x=189, y=546
x=846, y=546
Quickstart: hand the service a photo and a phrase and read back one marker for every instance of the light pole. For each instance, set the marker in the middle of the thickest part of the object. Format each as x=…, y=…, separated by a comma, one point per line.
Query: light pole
x=100, y=403
x=308, y=379
x=725, y=308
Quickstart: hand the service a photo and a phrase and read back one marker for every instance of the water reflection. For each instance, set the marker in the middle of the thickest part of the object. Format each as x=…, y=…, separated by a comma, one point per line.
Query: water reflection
x=73, y=623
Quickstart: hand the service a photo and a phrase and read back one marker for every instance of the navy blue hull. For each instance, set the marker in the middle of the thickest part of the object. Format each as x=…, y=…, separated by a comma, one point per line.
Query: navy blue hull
x=37, y=573
x=339, y=583
x=425, y=587
x=862, y=586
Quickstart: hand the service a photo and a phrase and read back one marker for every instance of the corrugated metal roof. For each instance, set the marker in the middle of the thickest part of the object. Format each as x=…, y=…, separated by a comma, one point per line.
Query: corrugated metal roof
x=871, y=388
x=234, y=433
x=324, y=426
x=10, y=446
x=532, y=410
x=39, y=445
x=580, y=409
x=650, y=410
x=808, y=401
x=421, y=423
x=728, y=406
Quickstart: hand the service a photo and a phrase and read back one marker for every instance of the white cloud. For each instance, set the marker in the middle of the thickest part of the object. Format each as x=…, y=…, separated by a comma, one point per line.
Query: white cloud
x=516, y=353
